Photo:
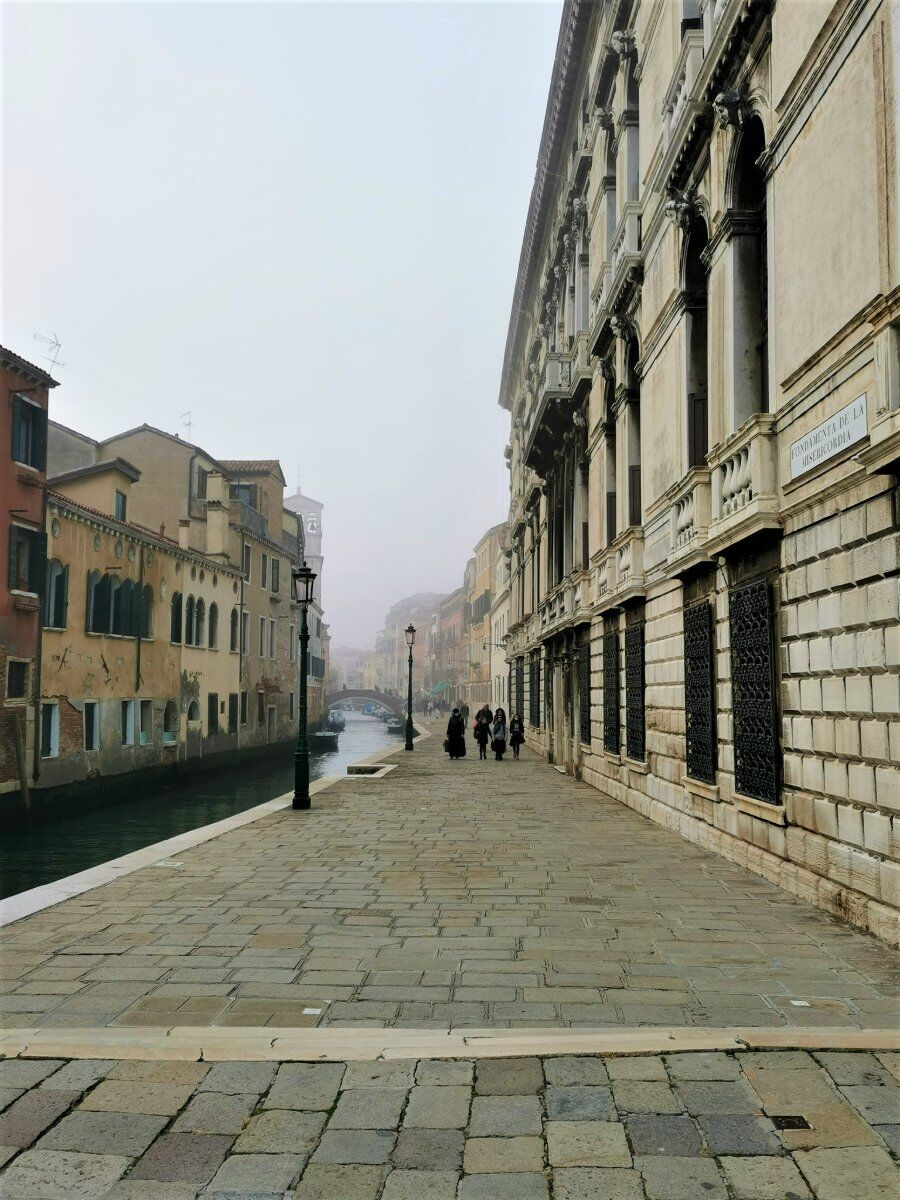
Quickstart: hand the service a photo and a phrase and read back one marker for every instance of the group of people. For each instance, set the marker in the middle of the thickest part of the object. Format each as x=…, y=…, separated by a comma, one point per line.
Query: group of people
x=488, y=728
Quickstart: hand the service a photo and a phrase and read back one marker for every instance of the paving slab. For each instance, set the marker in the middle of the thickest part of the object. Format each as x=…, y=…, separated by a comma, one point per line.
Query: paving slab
x=58, y=1174
x=591, y=1183
x=183, y=1158
x=104, y=1133
x=321, y=1182
x=420, y=1185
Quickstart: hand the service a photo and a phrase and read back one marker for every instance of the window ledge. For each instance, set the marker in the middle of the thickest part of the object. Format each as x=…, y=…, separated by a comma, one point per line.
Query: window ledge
x=613, y=758
x=54, y=629
x=640, y=768
x=696, y=787
x=773, y=813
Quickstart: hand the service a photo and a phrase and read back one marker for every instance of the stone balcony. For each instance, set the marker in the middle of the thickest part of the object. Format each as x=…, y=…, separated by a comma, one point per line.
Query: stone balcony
x=684, y=108
x=560, y=388
x=619, y=573
x=690, y=514
x=625, y=253
x=565, y=605
x=744, y=484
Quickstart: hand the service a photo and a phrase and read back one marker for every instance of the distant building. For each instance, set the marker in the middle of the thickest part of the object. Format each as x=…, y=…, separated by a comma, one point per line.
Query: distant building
x=391, y=649
x=480, y=574
x=23, y=432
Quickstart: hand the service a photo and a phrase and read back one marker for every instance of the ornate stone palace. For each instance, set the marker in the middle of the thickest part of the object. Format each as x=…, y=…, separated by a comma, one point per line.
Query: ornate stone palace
x=703, y=375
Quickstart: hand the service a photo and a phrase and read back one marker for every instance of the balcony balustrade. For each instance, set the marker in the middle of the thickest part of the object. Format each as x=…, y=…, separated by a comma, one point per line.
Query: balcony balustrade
x=744, y=476
x=620, y=573
x=690, y=515
x=683, y=107
x=625, y=251
x=249, y=518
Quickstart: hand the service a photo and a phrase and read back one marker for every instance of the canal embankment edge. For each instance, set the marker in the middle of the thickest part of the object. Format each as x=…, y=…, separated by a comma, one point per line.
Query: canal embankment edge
x=334, y=1044
x=34, y=900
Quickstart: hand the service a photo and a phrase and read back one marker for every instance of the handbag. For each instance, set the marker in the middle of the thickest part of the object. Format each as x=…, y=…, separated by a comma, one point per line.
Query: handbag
x=446, y=743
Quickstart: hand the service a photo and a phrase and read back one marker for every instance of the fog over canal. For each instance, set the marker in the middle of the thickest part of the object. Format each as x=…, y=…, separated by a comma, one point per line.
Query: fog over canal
x=50, y=851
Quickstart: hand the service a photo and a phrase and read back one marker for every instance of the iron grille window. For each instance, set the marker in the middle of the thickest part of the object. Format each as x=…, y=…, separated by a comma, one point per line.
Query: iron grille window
x=635, y=724
x=548, y=691
x=699, y=693
x=520, y=685
x=584, y=688
x=611, y=691
x=753, y=699
x=212, y=713
x=534, y=690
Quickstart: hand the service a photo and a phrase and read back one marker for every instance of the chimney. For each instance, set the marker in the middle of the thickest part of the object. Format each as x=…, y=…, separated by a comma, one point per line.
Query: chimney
x=184, y=532
x=216, y=515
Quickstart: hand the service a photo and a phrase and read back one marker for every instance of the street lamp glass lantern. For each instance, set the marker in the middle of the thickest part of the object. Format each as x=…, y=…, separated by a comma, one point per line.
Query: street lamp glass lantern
x=410, y=635
x=304, y=577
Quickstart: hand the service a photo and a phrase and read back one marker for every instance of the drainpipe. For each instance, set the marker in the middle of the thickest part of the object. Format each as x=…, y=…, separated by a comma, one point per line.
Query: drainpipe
x=36, y=683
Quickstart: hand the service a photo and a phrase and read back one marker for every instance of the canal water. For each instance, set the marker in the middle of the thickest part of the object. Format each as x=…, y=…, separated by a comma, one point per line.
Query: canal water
x=30, y=857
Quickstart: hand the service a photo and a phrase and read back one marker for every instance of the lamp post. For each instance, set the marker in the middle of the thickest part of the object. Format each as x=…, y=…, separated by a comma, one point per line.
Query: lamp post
x=304, y=578
x=410, y=641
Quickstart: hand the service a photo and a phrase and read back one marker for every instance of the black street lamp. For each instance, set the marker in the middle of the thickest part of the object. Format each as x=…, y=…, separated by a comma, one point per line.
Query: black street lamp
x=410, y=641
x=304, y=578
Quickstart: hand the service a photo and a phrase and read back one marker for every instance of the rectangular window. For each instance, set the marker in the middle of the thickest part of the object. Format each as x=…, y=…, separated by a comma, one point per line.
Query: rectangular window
x=271, y=639
x=243, y=708
x=127, y=722
x=16, y=679
x=245, y=633
x=292, y=643
x=246, y=562
x=260, y=708
x=121, y=506
x=27, y=559
x=534, y=689
x=754, y=695
x=232, y=712
x=245, y=492
x=264, y=572
x=291, y=705
x=635, y=718
x=584, y=688
x=49, y=731
x=146, y=722
x=262, y=637
x=212, y=713
x=202, y=474
x=276, y=574
x=611, y=690
x=91, y=725
x=29, y=433
x=699, y=693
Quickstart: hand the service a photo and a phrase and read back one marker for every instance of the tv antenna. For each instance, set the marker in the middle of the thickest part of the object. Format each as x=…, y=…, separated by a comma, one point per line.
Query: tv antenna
x=187, y=423
x=54, y=346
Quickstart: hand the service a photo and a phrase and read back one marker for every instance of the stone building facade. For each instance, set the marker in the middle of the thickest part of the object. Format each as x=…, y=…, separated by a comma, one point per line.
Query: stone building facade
x=703, y=375
x=480, y=584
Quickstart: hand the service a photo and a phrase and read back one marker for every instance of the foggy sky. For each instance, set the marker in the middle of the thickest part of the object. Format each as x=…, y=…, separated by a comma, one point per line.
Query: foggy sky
x=301, y=222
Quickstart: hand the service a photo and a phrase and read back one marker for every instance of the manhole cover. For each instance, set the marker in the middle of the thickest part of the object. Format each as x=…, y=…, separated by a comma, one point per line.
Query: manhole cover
x=790, y=1122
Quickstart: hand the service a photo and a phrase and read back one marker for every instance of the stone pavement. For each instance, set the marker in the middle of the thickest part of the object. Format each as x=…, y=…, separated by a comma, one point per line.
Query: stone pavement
x=763, y=1125
x=445, y=895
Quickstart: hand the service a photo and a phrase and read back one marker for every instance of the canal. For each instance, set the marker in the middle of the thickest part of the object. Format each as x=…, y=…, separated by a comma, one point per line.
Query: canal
x=30, y=857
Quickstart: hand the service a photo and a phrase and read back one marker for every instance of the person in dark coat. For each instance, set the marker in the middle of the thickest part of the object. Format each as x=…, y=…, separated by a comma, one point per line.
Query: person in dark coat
x=500, y=732
x=485, y=712
x=482, y=735
x=516, y=733
x=456, y=735
x=464, y=713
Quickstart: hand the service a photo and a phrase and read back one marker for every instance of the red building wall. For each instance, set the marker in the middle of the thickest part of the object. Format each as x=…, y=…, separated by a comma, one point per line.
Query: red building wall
x=22, y=385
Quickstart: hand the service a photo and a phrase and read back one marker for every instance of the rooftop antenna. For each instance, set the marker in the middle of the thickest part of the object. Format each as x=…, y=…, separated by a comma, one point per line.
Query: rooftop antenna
x=54, y=346
x=187, y=422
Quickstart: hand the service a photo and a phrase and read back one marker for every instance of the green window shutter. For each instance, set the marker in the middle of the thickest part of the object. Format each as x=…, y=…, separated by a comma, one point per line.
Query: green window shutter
x=101, y=606
x=16, y=428
x=62, y=591
x=39, y=449
x=37, y=563
x=13, y=556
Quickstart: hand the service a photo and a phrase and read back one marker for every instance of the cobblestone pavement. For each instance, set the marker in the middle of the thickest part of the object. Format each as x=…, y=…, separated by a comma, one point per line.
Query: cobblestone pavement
x=447, y=894
x=746, y=1126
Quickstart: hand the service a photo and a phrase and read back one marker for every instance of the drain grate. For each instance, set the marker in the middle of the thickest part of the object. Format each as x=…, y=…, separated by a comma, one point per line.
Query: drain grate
x=790, y=1122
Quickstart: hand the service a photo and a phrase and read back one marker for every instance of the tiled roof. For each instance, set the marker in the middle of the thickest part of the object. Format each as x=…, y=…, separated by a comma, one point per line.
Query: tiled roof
x=253, y=466
x=22, y=364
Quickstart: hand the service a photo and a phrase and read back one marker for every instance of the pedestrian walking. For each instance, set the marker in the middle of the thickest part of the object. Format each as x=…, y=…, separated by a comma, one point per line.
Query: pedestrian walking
x=455, y=742
x=464, y=713
x=485, y=713
x=482, y=735
x=516, y=733
x=500, y=734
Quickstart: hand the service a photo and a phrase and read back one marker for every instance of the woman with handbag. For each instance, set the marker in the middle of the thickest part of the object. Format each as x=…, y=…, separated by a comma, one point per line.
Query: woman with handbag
x=516, y=733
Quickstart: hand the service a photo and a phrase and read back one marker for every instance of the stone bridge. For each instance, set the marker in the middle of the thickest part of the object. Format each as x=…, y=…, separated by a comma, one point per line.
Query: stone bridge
x=394, y=703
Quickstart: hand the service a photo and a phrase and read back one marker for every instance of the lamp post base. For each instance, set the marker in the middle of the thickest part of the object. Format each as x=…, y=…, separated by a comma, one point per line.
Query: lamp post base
x=301, y=802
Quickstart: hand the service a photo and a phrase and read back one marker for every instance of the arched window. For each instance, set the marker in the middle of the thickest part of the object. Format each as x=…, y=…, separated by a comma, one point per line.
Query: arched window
x=695, y=286
x=200, y=622
x=147, y=611
x=56, y=595
x=96, y=618
x=170, y=719
x=189, y=622
x=193, y=713
x=749, y=249
x=213, y=625
x=175, y=628
x=633, y=431
x=233, y=643
x=609, y=415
